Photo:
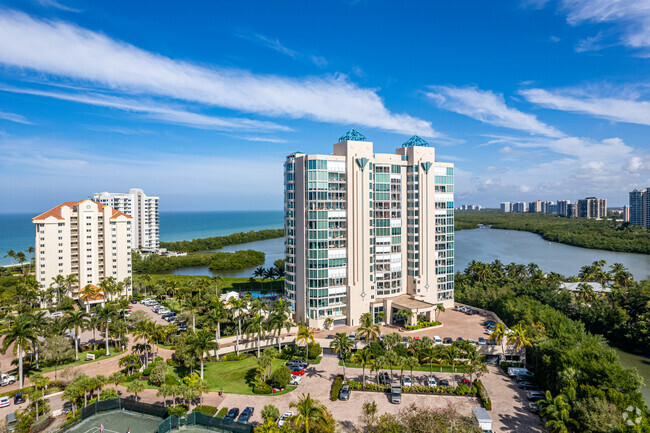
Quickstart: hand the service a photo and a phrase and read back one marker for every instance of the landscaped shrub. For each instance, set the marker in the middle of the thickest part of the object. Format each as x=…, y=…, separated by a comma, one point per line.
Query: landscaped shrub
x=282, y=376
x=421, y=325
x=108, y=393
x=147, y=371
x=262, y=388
x=314, y=351
x=336, y=388
x=208, y=410
x=222, y=412
x=232, y=356
x=178, y=410
x=158, y=373
x=483, y=395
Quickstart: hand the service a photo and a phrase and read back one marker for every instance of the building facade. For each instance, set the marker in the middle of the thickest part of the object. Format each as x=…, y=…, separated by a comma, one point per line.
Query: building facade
x=143, y=209
x=86, y=239
x=563, y=207
x=368, y=232
x=640, y=208
x=519, y=206
x=505, y=206
x=592, y=207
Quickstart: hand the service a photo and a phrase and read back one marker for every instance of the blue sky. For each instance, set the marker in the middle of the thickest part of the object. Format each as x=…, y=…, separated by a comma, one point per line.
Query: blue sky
x=199, y=105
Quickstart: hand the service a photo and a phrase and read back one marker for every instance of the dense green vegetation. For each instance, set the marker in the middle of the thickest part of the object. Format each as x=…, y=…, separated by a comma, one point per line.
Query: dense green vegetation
x=581, y=232
x=215, y=261
x=214, y=243
x=589, y=388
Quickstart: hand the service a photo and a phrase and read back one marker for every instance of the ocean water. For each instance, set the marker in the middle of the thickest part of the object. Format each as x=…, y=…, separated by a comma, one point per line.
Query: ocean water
x=17, y=230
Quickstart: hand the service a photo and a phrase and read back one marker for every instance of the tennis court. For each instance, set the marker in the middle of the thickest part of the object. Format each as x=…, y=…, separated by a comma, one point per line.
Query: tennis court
x=118, y=421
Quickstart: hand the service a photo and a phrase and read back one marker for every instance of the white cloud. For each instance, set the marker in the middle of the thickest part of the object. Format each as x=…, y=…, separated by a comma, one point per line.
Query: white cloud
x=13, y=117
x=68, y=51
x=612, y=108
x=488, y=107
x=276, y=45
x=155, y=111
x=57, y=5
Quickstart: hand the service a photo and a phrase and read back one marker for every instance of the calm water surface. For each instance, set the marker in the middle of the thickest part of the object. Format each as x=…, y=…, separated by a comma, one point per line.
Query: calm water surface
x=641, y=363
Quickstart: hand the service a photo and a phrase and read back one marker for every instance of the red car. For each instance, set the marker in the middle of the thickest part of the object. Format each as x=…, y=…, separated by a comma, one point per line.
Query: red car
x=465, y=381
x=298, y=371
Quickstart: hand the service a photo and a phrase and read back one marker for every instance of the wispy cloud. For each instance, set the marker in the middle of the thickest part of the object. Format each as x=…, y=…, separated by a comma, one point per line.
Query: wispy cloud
x=57, y=5
x=157, y=111
x=13, y=117
x=488, y=107
x=276, y=45
x=617, y=109
x=68, y=51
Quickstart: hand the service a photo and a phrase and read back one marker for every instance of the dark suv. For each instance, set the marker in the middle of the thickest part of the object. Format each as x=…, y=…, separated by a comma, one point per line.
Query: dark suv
x=297, y=363
x=384, y=379
x=232, y=414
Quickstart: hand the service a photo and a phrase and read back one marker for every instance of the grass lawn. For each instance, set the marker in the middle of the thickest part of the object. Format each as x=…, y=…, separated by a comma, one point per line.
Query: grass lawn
x=82, y=357
x=234, y=376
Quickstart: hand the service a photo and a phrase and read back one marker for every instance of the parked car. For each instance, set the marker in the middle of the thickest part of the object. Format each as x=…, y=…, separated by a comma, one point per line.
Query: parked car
x=246, y=414
x=533, y=406
x=447, y=340
x=7, y=379
x=525, y=377
x=384, y=379
x=181, y=328
x=488, y=322
x=459, y=338
x=405, y=340
x=297, y=363
x=56, y=314
x=295, y=380
x=353, y=336
x=344, y=394
x=299, y=371
x=18, y=398
x=528, y=386
x=381, y=336
x=11, y=421
x=407, y=381
x=536, y=395
x=465, y=381
x=133, y=301
x=443, y=382
x=437, y=340
x=431, y=381
x=471, y=341
x=481, y=341
x=232, y=414
x=284, y=417
x=5, y=401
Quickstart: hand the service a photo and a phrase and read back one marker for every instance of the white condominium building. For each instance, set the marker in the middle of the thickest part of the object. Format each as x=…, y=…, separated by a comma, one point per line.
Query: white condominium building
x=368, y=232
x=142, y=208
x=86, y=239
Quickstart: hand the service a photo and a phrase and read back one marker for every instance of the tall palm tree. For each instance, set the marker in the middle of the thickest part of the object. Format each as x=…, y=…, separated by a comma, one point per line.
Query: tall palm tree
x=557, y=411
x=439, y=308
x=453, y=353
x=365, y=359
x=41, y=324
x=368, y=329
x=259, y=273
x=310, y=412
x=519, y=337
x=59, y=282
x=21, y=332
x=106, y=315
x=280, y=317
x=70, y=281
x=78, y=321
x=216, y=315
x=305, y=335
x=238, y=307
x=411, y=362
x=89, y=292
x=256, y=326
x=341, y=344
x=201, y=342
x=499, y=336
x=193, y=305
x=392, y=358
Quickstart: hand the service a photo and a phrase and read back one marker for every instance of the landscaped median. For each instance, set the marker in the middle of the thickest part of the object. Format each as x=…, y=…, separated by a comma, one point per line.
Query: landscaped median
x=437, y=368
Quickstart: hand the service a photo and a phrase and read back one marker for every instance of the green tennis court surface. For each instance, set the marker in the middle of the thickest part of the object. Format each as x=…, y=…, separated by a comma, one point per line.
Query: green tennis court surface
x=118, y=421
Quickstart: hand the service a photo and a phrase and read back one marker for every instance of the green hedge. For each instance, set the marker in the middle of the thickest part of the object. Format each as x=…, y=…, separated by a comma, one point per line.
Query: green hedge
x=208, y=410
x=483, y=395
x=178, y=410
x=336, y=387
x=421, y=325
x=232, y=356
x=222, y=412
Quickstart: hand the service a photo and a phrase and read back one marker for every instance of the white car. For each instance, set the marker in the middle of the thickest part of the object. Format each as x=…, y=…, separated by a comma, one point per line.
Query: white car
x=56, y=314
x=406, y=381
x=472, y=341
x=284, y=417
x=295, y=380
x=437, y=340
x=5, y=401
x=431, y=381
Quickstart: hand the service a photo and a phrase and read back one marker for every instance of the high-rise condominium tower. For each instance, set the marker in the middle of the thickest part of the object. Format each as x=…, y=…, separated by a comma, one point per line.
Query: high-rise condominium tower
x=368, y=232
x=142, y=208
x=85, y=239
x=640, y=207
x=592, y=207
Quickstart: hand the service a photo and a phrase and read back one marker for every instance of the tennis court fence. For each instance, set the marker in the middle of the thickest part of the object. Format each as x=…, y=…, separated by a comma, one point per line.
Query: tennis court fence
x=123, y=404
x=203, y=420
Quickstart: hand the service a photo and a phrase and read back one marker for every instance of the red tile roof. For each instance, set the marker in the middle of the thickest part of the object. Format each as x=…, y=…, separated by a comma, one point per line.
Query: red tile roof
x=56, y=212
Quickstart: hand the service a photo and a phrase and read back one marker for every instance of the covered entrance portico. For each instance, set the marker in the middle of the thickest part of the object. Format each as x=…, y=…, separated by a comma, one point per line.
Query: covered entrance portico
x=405, y=309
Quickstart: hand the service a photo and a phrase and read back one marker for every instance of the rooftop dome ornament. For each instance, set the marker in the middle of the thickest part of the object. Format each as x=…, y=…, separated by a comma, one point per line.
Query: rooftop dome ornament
x=353, y=135
x=415, y=141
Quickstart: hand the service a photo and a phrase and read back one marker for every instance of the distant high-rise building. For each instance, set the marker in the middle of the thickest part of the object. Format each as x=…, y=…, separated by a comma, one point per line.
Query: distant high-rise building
x=535, y=206
x=563, y=207
x=368, y=232
x=143, y=209
x=626, y=214
x=592, y=207
x=520, y=206
x=470, y=207
x=640, y=207
x=572, y=210
x=506, y=206
x=86, y=239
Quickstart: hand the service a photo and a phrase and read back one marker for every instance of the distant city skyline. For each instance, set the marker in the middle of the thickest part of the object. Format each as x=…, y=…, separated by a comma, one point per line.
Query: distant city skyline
x=202, y=104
